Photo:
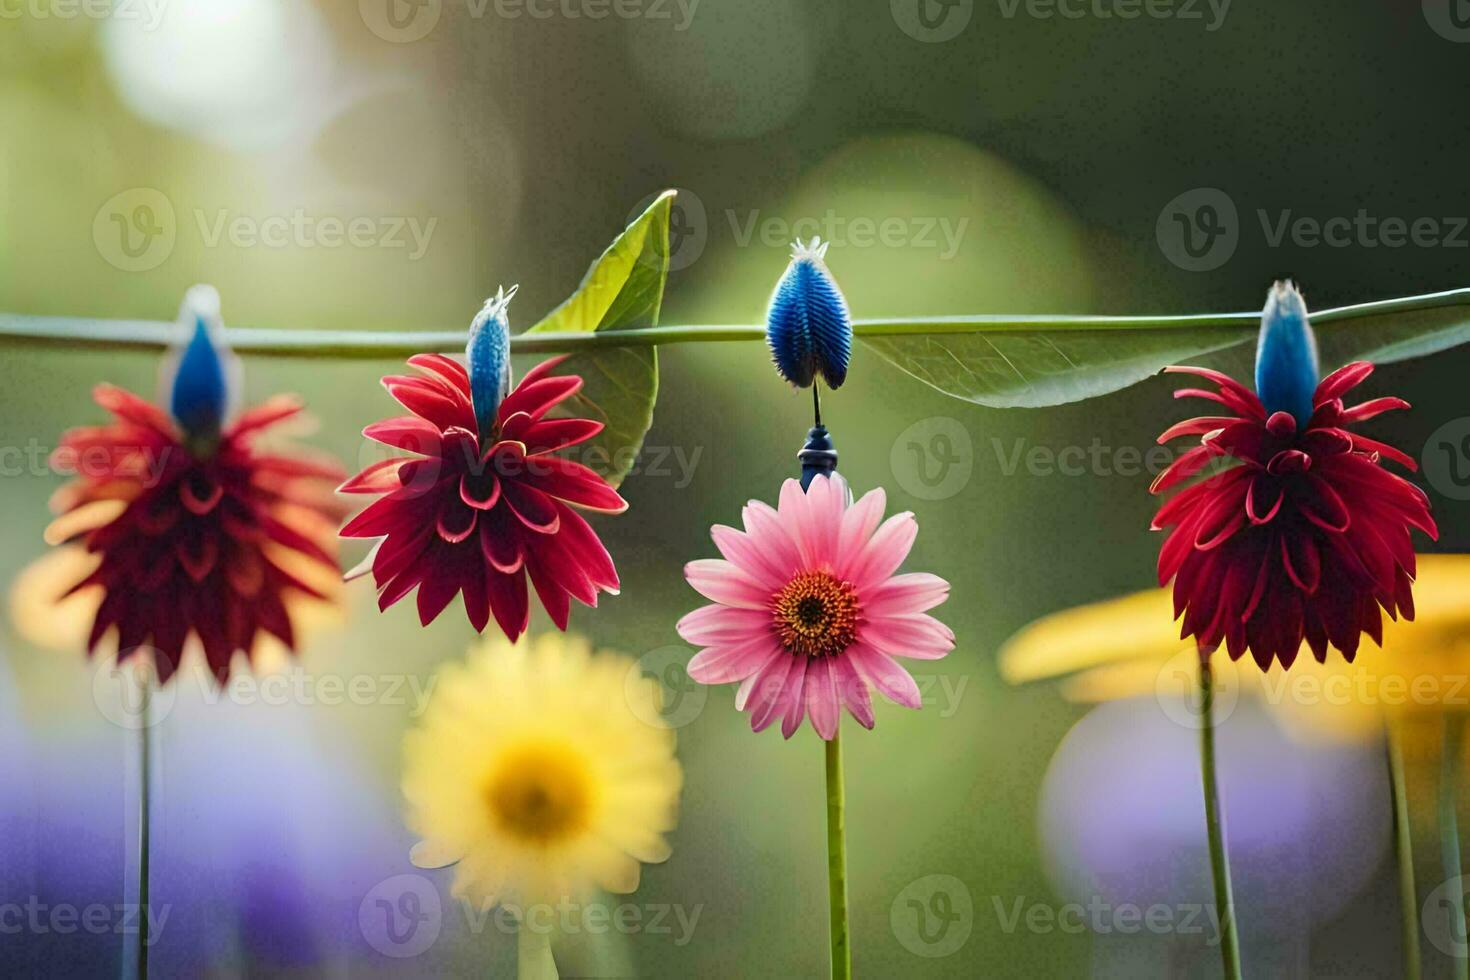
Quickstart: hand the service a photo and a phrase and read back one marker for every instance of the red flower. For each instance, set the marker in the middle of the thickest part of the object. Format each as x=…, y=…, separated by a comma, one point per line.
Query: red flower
x=1304, y=536
x=195, y=535
x=477, y=515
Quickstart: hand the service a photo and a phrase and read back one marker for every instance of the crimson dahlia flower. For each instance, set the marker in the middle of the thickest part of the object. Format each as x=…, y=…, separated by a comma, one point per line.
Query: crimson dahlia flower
x=197, y=530
x=485, y=501
x=1305, y=534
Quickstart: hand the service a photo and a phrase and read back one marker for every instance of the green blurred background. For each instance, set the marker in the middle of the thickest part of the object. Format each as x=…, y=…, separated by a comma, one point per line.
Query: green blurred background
x=1022, y=165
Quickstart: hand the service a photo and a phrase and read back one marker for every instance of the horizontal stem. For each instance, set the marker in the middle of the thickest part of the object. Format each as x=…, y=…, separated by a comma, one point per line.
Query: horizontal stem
x=76, y=332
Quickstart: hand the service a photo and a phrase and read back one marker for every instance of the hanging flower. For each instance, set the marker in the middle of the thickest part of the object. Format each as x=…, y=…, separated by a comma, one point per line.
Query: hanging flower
x=485, y=502
x=808, y=612
x=538, y=772
x=808, y=327
x=190, y=527
x=1305, y=534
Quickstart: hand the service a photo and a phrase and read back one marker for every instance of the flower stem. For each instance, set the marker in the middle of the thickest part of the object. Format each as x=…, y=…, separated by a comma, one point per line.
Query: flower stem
x=1215, y=822
x=145, y=811
x=837, y=861
x=533, y=954
x=1404, y=848
x=1451, y=752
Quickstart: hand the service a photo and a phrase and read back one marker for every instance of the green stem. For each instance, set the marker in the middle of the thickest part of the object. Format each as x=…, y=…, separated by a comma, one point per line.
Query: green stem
x=80, y=333
x=533, y=954
x=837, y=861
x=1404, y=847
x=145, y=812
x=1451, y=752
x=1215, y=822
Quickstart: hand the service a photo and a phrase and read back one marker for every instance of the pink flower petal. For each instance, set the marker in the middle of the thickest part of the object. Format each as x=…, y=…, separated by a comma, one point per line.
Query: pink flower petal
x=853, y=690
x=858, y=524
x=795, y=510
x=884, y=552
x=765, y=528
x=723, y=582
x=885, y=675
x=765, y=695
x=745, y=552
x=793, y=705
x=913, y=592
x=821, y=696
x=722, y=625
x=726, y=664
x=919, y=636
x=826, y=500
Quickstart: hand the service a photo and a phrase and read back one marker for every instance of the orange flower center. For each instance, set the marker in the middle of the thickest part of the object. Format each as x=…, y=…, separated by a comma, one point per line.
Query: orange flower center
x=816, y=614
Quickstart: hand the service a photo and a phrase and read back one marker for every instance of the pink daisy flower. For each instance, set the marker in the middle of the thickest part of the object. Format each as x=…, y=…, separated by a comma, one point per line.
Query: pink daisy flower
x=808, y=613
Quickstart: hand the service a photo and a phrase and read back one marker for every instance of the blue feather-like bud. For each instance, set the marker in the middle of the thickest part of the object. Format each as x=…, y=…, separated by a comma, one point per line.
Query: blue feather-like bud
x=199, y=390
x=488, y=355
x=1286, y=355
x=808, y=327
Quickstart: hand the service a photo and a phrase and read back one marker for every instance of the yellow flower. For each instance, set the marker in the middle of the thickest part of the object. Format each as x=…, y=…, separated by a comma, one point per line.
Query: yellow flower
x=1130, y=646
x=543, y=771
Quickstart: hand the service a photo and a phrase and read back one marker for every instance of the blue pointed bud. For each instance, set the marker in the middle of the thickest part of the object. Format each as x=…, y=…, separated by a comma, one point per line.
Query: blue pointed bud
x=808, y=327
x=198, y=388
x=1286, y=355
x=488, y=354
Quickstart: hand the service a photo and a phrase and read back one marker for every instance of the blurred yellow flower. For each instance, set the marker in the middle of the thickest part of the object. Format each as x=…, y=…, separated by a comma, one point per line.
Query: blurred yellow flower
x=1130, y=646
x=543, y=772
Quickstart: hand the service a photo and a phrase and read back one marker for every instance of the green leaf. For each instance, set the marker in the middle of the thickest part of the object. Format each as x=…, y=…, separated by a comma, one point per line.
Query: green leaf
x=1033, y=362
x=623, y=289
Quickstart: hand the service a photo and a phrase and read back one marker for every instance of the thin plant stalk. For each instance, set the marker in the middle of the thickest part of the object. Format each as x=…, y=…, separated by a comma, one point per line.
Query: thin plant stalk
x=837, y=861
x=1215, y=822
x=533, y=954
x=1404, y=851
x=1452, y=752
x=145, y=812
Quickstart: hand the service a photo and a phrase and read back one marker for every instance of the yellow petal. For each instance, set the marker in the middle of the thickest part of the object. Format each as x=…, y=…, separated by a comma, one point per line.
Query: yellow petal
x=1132, y=627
